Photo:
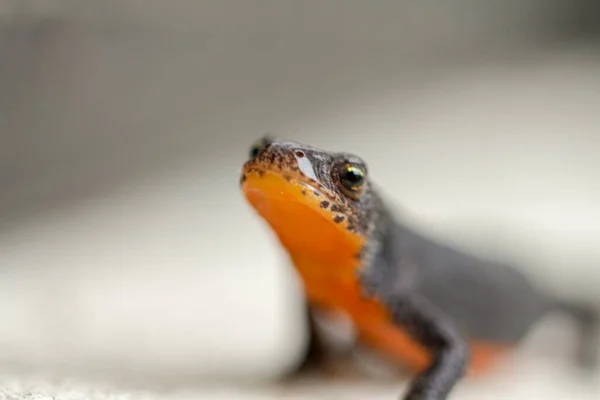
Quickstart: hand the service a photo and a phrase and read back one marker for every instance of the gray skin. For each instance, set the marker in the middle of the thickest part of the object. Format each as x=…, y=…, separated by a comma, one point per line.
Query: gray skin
x=441, y=296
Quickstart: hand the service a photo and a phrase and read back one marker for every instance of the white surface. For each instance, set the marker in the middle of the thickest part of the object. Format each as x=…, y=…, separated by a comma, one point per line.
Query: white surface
x=145, y=280
x=533, y=381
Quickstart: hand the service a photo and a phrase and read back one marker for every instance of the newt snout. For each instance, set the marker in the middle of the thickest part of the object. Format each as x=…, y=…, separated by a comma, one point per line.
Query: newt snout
x=284, y=182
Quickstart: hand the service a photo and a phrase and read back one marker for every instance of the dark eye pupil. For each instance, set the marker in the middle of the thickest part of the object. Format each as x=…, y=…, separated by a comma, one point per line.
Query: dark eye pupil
x=254, y=152
x=352, y=177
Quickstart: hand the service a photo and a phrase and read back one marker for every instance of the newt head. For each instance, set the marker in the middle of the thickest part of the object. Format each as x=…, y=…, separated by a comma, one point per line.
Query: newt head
x=317, y=202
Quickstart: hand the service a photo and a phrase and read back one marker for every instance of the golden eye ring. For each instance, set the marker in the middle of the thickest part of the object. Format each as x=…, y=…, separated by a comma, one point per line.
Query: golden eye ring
x=351, y=179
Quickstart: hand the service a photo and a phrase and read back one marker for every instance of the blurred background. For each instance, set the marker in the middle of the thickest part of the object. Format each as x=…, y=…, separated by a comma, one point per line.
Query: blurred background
x=128, y=257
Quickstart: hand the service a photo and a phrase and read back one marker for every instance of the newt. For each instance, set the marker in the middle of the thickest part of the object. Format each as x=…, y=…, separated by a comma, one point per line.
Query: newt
x=441, y=312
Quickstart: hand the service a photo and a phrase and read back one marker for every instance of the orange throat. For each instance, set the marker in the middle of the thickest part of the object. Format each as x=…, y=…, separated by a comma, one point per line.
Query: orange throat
x=323, y=250
x=325, y=254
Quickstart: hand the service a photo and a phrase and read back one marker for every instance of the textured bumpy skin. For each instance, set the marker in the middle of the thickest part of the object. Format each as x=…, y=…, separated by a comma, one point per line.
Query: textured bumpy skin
x=441, y=311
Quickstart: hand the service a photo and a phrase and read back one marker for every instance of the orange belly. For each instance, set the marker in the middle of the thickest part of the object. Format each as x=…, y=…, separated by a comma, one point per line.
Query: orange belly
x=376, y=329
x=325, y=255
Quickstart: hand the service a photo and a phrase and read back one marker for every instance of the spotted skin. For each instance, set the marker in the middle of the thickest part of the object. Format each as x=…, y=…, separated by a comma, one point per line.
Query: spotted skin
x=439, y=311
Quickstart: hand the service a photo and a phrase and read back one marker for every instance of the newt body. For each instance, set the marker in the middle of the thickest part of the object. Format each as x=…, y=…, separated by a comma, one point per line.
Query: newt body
x=439, y=311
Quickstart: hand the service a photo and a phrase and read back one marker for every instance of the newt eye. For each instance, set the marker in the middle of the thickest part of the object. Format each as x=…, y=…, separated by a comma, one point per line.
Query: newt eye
x=351, y=179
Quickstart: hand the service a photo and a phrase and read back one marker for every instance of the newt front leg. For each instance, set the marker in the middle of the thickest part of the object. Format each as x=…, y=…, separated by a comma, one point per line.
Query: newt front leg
x=438, y=334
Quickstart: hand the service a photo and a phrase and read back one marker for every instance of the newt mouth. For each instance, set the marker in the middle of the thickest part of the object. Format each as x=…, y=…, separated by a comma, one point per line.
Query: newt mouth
x=301, y=217
x=280, y=196
x=254, y=170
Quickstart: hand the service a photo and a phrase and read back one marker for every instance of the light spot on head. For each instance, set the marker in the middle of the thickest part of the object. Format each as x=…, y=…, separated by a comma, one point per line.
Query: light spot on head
x=306, y=166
